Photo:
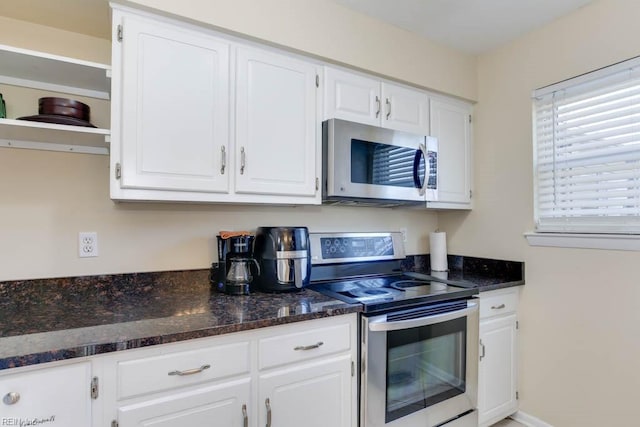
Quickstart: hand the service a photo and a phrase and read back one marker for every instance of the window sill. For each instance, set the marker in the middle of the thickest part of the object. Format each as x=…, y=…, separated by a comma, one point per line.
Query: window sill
x=622, y=242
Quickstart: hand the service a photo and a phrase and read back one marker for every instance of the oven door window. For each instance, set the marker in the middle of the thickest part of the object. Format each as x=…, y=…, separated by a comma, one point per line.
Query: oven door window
x=384, y=164
x=425, y=366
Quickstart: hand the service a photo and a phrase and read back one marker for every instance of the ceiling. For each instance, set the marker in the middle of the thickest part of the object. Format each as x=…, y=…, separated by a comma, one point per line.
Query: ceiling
x=473, y=26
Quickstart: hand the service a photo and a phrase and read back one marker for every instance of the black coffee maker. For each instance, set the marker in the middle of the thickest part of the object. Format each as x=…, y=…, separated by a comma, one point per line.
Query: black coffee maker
x=235, y=264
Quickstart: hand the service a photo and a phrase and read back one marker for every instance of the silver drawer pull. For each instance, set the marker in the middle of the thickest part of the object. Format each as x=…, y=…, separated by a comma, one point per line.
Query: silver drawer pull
x=308, y=347
x=190, y=371
x=497, y=307
x=11, y=398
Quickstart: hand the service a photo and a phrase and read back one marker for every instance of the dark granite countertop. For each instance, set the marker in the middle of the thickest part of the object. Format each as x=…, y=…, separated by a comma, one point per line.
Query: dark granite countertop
x=482, y=273
x=55, y=319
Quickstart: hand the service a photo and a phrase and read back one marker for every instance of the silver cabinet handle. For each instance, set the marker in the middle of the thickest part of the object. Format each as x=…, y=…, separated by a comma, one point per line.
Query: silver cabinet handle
x=245, y=417
x=389, y=110
x=11, y=398
x=498, y=307
x=267, y=403
x=379, y=106
x=308, y=347
x=483, y=350
x=242, y=160
x=223, y=160
x=190, y=371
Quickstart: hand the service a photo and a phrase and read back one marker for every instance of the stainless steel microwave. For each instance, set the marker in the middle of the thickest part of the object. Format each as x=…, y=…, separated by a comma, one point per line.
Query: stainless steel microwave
x=370, y=165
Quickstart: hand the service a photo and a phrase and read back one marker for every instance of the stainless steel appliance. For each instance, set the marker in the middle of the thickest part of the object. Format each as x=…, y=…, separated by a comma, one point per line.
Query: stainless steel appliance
x=370, y=165
x=418, y=335
x=283, y=254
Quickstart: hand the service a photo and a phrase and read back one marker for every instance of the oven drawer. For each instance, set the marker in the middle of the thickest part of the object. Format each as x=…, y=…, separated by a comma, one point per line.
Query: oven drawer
x=495, y=303
x=154, y=374
x=305, y=345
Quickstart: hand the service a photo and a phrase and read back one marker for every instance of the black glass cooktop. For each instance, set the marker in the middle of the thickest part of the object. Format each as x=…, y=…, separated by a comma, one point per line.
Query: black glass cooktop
x=391, y=291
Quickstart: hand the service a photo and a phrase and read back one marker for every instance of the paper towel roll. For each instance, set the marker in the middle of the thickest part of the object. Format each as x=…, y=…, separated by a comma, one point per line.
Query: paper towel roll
x=438, y=250
x=440, y=274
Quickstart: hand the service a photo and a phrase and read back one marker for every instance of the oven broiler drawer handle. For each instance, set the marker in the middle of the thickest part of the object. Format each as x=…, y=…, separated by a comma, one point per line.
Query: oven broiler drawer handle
x=422, y=321
x=308, y=347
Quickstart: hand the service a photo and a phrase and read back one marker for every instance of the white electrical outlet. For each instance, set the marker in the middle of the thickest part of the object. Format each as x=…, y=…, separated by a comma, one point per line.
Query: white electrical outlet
x=87, y=244
x=404, y=234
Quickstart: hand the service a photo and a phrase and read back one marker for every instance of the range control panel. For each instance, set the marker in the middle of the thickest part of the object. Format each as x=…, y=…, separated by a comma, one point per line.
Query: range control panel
x=353, y=247
x=356, y=247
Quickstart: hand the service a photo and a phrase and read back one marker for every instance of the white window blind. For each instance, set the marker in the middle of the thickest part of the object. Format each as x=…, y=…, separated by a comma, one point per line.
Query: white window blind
x=587, y=152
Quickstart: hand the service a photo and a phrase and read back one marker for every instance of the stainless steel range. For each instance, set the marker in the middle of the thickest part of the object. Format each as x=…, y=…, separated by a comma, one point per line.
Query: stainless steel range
x=418, y=334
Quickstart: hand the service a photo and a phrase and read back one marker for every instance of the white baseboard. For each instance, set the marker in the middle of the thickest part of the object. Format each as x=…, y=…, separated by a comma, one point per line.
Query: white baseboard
x=529, y=420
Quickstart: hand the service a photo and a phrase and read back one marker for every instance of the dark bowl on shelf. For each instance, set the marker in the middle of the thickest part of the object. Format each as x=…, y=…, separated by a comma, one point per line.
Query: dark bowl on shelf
x=61, y=111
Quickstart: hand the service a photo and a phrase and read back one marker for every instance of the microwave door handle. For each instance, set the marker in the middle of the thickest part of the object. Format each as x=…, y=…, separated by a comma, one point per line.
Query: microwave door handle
x=422, y=321
x=420, y=152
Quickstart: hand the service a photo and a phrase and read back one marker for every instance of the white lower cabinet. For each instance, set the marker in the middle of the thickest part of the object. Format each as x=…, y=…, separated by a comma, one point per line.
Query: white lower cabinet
x=52, y=396
x=313, y=394
x=301, y=374
x=497, y=382
x=219, y=405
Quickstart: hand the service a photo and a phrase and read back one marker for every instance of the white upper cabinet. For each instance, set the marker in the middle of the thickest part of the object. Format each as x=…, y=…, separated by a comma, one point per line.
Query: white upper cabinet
x=405, y=109
x=277, y=140
x=367, y=100
x=203, y=117
x=351, y=97
x=451, y=125
x=171, y=103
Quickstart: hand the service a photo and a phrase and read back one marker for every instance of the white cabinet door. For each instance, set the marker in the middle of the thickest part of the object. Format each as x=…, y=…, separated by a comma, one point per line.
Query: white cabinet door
x=361, y=99
x=220, y=405
x=314, y=394
x=174, y=100
x=56, y=397
x=349, y=96
x=450, y=123
x=497, y=370
x=405, y=109
x=277, y=140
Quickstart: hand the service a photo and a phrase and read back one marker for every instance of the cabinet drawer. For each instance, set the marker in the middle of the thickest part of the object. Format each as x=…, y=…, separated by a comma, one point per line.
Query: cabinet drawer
x=53, y=397
x=498, y=304
x=153, y=374
x=305, y=345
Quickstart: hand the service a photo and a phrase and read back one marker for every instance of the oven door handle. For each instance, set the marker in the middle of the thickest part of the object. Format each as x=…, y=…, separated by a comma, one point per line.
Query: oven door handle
x=382, y=326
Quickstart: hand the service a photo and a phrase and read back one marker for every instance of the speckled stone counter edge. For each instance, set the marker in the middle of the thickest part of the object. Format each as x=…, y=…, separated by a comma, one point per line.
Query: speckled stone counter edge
x=486, y=274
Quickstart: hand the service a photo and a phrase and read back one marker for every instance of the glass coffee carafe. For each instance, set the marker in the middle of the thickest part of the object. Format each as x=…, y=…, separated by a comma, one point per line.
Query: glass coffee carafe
x=239, y=275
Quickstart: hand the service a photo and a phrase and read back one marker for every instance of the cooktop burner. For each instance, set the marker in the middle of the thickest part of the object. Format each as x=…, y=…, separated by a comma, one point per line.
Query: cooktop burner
x=366, y=268
x=379, y=293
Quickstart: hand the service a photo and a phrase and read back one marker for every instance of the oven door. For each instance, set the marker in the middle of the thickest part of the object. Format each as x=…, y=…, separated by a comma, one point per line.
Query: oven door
x=420, y=365
x=368, y=163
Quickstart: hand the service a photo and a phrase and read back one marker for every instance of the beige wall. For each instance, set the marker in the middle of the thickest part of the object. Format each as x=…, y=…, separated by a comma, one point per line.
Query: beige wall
x=328, y=30
x=580, y=317
x=48, y=197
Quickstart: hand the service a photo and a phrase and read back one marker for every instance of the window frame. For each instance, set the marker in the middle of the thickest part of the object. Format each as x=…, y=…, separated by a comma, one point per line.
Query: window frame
x=600, y=233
